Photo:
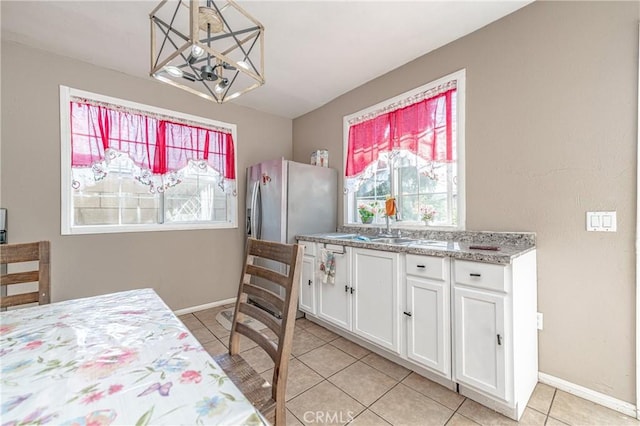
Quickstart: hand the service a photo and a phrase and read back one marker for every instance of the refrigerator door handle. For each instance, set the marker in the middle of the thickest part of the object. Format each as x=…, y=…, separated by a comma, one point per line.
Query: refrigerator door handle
x=251, y=226
x=258, y=209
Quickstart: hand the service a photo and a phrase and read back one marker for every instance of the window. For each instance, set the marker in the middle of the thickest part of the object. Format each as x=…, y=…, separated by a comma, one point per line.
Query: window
x=128, y=167
x=410, y=148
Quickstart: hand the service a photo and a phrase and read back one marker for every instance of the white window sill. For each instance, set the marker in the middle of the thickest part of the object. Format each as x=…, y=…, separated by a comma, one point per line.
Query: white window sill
x=114, y=229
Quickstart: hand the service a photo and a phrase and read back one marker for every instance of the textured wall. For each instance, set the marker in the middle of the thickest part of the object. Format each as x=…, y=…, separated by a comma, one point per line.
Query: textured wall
x=187, y=268
x=551, y=125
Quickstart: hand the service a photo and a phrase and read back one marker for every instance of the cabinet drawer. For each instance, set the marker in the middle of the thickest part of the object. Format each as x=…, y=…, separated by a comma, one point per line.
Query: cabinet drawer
x=426, y=266
x=480, y=275
x=309, y=248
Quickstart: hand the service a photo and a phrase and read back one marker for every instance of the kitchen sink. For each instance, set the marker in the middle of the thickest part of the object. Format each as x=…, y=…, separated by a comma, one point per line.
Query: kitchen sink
x=339, y=236
x=430, y=243
x=392, y=240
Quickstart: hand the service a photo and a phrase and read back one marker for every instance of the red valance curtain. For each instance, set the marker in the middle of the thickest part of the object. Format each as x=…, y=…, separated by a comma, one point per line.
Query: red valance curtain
x=153, y=144
x=423, y=128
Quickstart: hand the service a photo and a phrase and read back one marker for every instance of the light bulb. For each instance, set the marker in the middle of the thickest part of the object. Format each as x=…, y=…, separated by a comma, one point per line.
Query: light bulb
x=245, y=66
x=173, y=71
x=197, y=51
x=221, y=86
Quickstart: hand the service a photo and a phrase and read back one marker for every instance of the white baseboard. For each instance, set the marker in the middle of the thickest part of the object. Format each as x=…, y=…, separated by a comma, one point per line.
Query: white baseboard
x=205, y=306
x=589, y=394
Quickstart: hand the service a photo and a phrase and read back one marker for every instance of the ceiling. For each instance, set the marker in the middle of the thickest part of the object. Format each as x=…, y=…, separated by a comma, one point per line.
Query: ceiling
x=315, y=50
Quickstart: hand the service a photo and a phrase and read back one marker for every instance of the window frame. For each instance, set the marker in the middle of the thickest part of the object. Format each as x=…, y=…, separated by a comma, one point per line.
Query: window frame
x=66, y=191
x=349, y=207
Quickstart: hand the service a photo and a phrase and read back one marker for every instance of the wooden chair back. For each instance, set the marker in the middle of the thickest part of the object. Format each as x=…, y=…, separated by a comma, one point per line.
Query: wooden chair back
x=26, y=252
x=290, y=255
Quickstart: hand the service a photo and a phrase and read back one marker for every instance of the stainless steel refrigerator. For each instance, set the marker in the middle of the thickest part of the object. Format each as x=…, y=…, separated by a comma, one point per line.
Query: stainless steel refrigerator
x=285, y=199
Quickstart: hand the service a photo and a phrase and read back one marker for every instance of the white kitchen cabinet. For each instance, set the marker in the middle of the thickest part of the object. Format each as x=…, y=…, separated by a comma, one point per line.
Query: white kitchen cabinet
x=307, y=293
x=495, y=337
x=307, y=300
x=334, y=299
x=375, y=297
x=480, y=340
x=427, y=313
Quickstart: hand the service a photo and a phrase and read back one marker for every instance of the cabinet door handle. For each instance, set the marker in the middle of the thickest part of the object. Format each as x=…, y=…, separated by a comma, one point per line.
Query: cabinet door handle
x=346, y=288
x=352, y=289
x=475, y=275
x=420, y=266
x=499, y=340
x=407, y=313
x=309, y=282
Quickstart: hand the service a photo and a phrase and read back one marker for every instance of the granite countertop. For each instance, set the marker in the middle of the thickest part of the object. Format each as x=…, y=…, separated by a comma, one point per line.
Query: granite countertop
x=454, y=244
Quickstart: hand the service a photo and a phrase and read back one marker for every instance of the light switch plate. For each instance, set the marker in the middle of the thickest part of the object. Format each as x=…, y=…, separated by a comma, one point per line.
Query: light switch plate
x=602, y=221
x=540, y=320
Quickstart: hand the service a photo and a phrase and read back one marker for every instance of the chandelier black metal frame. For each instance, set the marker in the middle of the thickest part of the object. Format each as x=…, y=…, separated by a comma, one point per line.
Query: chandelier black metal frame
x=213, y=49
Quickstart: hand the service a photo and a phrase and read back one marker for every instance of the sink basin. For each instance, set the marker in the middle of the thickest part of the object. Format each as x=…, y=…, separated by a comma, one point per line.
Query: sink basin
x=430, y=243
x=392, y=240
x=339, y=236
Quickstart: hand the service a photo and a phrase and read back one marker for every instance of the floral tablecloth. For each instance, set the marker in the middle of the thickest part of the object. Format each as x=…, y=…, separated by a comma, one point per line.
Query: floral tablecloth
x=121, y=358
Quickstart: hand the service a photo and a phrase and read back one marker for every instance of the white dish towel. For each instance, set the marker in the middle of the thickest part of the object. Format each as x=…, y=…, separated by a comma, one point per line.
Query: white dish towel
x=327, y=266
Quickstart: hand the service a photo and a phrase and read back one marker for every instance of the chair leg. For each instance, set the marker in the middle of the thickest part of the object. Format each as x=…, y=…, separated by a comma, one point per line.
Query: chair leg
x=280, y=415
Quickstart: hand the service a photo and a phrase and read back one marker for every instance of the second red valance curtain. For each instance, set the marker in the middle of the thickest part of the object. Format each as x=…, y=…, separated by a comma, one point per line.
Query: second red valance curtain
x=423, y=128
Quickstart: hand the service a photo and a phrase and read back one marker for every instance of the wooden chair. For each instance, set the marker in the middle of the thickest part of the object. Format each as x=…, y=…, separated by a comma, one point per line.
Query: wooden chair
x=26, y=252
x=267, y=399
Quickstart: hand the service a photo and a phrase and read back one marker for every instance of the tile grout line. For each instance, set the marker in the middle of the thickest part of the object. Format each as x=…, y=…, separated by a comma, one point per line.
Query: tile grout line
x=340, y=349
x=553, y=398
x=379, y=398
x=319, y=374
x=294, y=416
x=464, y=398
x=468, y=418
x=450, y=417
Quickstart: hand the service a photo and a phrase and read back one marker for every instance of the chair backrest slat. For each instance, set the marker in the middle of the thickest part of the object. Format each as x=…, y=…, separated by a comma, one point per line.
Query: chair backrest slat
x=267, y=274
x=22, y=252
x=19, y=299
x=263, y=341
x=264, y=294
x=272, y=250
x=261, y=315
x=26, y=252
x=20, y=278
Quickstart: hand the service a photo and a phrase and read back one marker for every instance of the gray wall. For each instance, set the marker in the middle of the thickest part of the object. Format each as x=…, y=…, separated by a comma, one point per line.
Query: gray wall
x=187, y=268
x=551, y=122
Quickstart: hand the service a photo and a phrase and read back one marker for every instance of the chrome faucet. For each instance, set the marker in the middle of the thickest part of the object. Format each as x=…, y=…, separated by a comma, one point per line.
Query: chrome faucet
x=388, y=229
x=388, y=232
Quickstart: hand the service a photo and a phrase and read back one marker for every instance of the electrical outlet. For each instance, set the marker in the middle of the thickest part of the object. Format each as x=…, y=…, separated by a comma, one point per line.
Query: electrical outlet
x=540, y=321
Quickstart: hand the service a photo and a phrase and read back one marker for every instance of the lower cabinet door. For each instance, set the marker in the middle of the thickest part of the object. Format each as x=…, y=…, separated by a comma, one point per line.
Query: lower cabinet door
x=334, y=300
x=375, y=299
x=428, y=324
x=307, y=296
x=479, y=340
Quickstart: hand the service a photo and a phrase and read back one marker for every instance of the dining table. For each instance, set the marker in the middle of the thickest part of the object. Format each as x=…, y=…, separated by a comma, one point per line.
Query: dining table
x=117, y=359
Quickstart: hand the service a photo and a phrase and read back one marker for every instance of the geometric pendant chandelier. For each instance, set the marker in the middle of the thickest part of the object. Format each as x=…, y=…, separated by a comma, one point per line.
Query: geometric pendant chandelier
x=211, y=48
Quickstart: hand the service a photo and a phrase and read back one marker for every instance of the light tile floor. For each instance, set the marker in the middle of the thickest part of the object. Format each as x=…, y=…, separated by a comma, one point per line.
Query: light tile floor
x=335, y=381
